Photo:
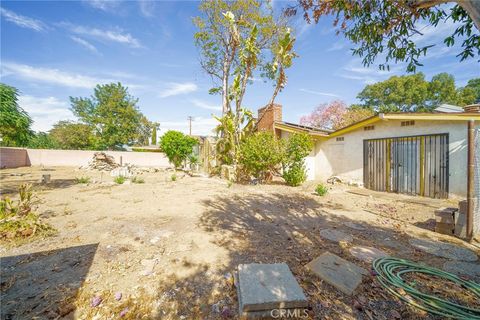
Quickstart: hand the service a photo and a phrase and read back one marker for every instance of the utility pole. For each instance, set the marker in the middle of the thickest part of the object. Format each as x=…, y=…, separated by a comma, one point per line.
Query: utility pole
x=190, y=119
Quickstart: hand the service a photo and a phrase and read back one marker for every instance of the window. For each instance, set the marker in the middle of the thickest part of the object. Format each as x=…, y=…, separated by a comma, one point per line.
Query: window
x=408, y=123
x=340, y=138
x=369, y=128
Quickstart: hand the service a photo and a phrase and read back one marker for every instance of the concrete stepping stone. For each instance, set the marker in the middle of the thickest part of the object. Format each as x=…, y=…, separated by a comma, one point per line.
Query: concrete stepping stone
x=444, y=250
x=335, y=235
x=355, y=226
x=338, y=272
x=264, y=287
x=461, y=268
x=367, y=254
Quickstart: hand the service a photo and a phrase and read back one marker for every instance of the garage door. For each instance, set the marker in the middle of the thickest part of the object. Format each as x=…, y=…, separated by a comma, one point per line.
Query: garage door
x=416, y=165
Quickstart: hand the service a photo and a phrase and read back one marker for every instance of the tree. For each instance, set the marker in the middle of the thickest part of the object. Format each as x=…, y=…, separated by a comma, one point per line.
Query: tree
x=297, y=147
x=473, y=86
x=113, y=115
x=392, y=28
x=14, y=121
x=73, y=136
x=412, y=93
x=42, y=140
x=177, y=146
x=335, y=115
x=223, y=30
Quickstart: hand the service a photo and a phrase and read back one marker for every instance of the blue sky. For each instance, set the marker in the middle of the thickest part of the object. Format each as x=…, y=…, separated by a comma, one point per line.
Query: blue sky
x=53, y=50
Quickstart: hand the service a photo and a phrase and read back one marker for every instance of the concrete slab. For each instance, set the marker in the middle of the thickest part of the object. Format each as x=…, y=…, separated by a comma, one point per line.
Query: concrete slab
x=335, y=235
x=461, y=268
x=444, y=250
x=338, y=272
x=264, y=287
x=367, y=254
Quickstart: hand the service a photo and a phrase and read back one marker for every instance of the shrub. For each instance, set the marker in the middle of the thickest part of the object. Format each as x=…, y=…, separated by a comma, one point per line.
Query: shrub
x=174, y=177
x=261, y=154
x=145, y=150
x=321, y=189
x=177, y=146
x=137, y=180
x=295, y=175
x=17, y=219
x=119, y=179
x=298, y=146
x=83, y=180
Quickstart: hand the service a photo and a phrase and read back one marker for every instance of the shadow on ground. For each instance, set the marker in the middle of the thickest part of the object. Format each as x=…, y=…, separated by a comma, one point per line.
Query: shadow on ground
x=44, y=285
x=11, y=187
x=271, y=228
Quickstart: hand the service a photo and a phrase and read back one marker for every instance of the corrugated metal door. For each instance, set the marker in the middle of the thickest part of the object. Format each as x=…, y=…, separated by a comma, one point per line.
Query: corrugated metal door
x=416, y=165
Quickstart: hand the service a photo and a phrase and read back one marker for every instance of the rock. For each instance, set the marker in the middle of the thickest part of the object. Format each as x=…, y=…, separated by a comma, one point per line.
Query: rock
x=96, y=301
x=367, y=254
x=334, y=179
x=461, y=268
x=355, y=226
x=103, y=162
x=263, y=287
x=445, y=250
x=149, y=265
x=338, y=272
x=335, y=235
x=121, y=172
x=118, y=296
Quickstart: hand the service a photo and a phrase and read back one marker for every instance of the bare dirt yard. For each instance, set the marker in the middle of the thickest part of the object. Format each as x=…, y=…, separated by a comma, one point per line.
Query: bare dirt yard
x=167, y=249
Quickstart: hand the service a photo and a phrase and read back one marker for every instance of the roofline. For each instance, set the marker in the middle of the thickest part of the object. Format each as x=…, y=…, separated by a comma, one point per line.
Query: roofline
x=293, y=128
x=457, y=116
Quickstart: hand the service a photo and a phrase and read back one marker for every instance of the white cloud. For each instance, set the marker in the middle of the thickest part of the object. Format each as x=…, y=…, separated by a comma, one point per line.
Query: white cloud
x=200, y=126
x=104, y=5
x=338, y=45
x=318, y=93
x=175, y=89
x=146, y=7
x=49, y=75
x=118, y=36
x=205, y=105
x=355, y=70
x=23, y=21
x=85, y=44
x=45, y=111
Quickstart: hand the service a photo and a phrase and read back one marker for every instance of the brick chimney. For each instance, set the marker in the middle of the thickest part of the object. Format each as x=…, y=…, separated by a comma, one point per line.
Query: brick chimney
x=268, y=115
x=475, y=108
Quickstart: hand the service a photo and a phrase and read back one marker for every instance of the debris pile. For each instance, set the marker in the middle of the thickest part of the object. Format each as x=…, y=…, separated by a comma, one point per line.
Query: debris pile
x=102, y=161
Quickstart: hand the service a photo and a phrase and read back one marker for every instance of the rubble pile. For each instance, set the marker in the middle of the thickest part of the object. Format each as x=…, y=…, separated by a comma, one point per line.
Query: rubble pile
x=102, y=161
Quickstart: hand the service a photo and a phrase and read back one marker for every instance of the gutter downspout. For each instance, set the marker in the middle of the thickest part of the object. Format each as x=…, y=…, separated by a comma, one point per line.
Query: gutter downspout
x=470, y=178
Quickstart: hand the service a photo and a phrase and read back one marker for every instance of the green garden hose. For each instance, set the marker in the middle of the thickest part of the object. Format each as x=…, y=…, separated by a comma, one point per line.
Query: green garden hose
x=389, y=273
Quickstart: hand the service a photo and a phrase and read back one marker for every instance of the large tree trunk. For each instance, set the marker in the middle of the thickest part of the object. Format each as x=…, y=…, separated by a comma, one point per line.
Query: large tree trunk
x=472, y=7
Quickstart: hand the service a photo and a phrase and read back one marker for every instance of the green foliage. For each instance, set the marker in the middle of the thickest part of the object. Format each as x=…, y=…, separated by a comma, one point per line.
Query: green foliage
x=177, y=146
x=261, y=155
x=119, y=179
x=295, y=174
x=17, y=219
x=113, y=115
x=73, y=136
x=321, y=189
x=82, y=180
x=297, y=147
x=193, y=159
x=412, y=93
x=138, y=180
x=42, y=140
x=173, y=177
x=146, y=150
x=14, y=121
x=390, y=28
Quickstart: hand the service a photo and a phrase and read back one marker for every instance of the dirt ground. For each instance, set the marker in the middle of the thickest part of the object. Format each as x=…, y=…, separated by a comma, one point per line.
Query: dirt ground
x=167, y=249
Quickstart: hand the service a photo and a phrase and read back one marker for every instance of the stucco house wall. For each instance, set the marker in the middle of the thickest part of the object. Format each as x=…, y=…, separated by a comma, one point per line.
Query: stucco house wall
x=345, y=158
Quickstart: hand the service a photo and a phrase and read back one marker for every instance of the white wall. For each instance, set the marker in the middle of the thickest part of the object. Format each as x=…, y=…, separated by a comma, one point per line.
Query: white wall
x=309, y=160
x=345, y=158
x=77, y=158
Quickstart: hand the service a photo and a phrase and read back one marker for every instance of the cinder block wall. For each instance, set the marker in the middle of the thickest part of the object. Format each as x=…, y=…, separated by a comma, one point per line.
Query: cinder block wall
x=13, y=158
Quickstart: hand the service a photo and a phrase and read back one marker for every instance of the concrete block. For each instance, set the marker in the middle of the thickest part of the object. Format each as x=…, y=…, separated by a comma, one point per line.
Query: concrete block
x=460, y=229
x=264, y=287
x=444, y=228
x=444, y=216
x=462, y=206
x=367, y=254
x=338, y=272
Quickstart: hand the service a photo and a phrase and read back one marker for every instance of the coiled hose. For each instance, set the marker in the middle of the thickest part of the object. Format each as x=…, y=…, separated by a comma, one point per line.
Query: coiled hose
x=390, y=271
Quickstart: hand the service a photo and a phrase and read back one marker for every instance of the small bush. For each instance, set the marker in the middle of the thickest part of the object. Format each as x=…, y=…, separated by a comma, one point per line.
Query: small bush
x=83, y=180
x=295, y=175
x=137, y=180
x=17, y=219
x=321, y=189
x=177, y=146
x=120, y=179
x=261, y=155
x=174, y=177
